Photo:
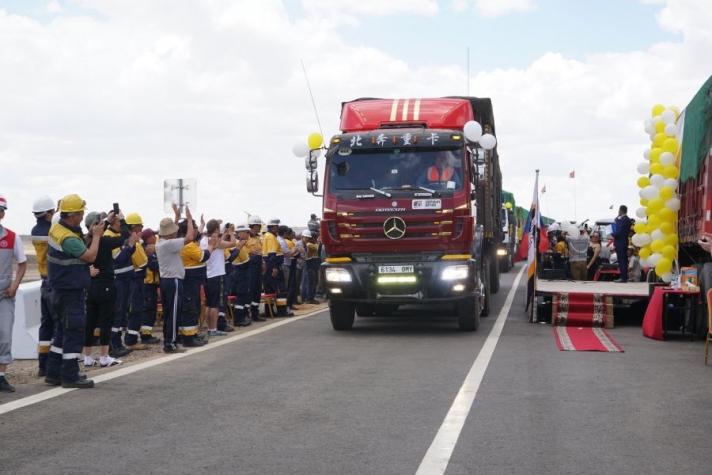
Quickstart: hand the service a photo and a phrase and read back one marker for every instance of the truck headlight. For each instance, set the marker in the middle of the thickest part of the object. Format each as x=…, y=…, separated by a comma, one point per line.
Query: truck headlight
x=455, y=273
x=337, y=274
x=501, y=252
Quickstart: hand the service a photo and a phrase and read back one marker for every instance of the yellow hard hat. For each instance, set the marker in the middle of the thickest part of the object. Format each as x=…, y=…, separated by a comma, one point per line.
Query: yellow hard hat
x=134, y=220
x=72, y=203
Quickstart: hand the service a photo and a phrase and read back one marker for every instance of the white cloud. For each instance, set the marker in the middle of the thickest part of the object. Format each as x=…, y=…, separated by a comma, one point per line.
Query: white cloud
x=377, y=8
x=53, y=7
x=111, y=104
x=498, y=8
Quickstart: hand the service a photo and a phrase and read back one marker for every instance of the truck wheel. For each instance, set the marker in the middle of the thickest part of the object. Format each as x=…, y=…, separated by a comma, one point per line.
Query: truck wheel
x=494, y=279
x=386, y=309
x=485, y=280
x=468, y=314
x=504, y=265
x=364, y=309
x=342, y=315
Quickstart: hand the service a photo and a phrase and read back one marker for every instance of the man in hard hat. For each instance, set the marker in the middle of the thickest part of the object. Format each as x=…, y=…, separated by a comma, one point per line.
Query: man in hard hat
x=10, y=248
x=240, y=287
x=43, y=209
x=254, y=249
x=273, y=257
x=139, y=259
x=68, y=273
x=123, y=272
x=101, y=296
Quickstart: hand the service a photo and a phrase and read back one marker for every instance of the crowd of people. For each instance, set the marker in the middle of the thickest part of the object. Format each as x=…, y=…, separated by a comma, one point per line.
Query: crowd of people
x=581, y=255
x=105, y=285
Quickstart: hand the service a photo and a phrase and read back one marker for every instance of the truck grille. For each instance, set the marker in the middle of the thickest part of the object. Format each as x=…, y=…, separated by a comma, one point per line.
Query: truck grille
x=395, y=257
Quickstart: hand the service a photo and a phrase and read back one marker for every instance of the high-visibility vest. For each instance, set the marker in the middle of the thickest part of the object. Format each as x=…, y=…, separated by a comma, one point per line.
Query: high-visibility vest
x=435, y=176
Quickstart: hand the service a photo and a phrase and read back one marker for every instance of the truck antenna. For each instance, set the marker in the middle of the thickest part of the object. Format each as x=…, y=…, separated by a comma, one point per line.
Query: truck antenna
x=312, y=97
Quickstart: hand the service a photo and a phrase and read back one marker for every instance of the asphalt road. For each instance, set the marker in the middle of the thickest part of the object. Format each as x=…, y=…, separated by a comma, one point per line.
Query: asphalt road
x=301, y=398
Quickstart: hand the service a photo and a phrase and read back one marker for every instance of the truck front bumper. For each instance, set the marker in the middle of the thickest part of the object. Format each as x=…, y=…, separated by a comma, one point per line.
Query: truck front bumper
x=440, y=281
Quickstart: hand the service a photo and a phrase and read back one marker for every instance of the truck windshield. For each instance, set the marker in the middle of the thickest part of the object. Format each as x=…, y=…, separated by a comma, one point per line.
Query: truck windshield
x=429, y=169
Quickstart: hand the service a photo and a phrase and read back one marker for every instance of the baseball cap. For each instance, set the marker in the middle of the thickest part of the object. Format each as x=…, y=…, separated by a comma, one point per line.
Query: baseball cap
x=3, y=202
x=147, y=233
x=92, y=216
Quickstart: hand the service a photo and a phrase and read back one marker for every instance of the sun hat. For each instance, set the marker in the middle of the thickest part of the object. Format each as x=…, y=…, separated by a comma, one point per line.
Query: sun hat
x=167, y=227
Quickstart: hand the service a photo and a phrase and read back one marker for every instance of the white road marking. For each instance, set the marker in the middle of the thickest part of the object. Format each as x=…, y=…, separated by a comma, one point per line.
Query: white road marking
x=438, y=456
x=52, y=393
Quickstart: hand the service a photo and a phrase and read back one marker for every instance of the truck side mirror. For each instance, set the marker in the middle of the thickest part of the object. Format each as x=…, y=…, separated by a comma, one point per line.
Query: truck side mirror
x=313, y=181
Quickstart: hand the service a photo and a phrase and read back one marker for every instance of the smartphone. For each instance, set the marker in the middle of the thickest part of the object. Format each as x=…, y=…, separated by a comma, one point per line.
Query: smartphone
x=97, y=220
x=116, y=209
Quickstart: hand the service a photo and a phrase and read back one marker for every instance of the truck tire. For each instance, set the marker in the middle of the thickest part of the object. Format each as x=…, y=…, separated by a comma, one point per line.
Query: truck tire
x=468, y=315
x=365, y=309
x=494, y=279
x=485, y=279
x=504, y=265
x=342, y=315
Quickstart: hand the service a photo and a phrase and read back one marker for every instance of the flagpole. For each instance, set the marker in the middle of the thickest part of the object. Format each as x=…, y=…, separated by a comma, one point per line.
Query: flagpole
x=574, y=178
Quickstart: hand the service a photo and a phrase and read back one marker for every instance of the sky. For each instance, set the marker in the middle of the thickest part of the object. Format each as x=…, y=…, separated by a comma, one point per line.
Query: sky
x=109, y=98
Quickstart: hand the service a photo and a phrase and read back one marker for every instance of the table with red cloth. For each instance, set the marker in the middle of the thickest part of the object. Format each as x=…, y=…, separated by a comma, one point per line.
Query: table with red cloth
x=654, y=322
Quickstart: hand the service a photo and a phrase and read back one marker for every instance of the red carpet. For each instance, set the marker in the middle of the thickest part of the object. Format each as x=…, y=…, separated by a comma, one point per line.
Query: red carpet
x=578, y=321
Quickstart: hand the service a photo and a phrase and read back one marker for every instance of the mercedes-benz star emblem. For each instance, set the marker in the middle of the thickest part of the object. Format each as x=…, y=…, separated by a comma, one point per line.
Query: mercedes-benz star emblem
x=394, y=227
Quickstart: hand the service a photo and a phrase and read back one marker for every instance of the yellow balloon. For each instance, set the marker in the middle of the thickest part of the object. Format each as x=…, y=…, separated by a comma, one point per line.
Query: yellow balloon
x=664, y=265
x=668, y=172
x=667, y=215
x=508, y=205
x=670, y=145
x=671, y=240
x=655, y=154
x=669, y=252
x=667, y=227
x=658, y=109
x=660, y=126
x=666, y=193
x=657, y=168
x=655, y=205
x=643, y=202
x=315, y=140
x=657, y=245
x=640, y=228
x=645, y=252
x=660, y=138
x=643, y=181
x=650, y=228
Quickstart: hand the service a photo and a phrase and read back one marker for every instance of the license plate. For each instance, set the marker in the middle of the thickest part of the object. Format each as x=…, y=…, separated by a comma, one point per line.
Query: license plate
x=395, y=269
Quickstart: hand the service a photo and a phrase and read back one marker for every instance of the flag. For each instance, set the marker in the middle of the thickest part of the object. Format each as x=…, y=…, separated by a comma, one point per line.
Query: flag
x=533, y=240
x=572, y=174
x=543, y=189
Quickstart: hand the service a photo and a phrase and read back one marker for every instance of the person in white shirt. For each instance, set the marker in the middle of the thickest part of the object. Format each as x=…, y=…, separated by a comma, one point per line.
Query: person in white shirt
x=214, y=291
x=634, y=270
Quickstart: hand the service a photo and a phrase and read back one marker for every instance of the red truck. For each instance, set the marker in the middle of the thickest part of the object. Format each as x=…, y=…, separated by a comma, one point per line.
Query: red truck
x=695, y=215
x=411, y=209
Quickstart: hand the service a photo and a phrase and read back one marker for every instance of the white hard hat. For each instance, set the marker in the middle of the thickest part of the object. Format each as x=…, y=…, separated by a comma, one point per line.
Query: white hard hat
x=43, y=204
x=553, y=227
x=306, y=233
x=55, y=218
x=254, y=219
x=273, y=222
x=242, y=227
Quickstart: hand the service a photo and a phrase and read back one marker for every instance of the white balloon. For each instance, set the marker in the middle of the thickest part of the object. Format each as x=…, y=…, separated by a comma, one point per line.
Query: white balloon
x=654, y=259
x=316, y=153
x=667, y=159
x=657, y=234
x=671, y=183
x=673, y=204
x=301, y=149
x=667, y=277
x=641, y=213
x=646, y=154
x=671, y=130
x=644, y=239
x=643, y=262
x=657, y=180
x=668, y=116
x=636, y=240
x=655, y=119
x=473, y=130
x=650, y=192
x=643, y=168
x=488, y=141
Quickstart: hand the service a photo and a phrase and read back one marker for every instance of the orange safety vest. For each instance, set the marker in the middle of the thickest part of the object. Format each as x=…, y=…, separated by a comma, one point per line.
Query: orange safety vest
x=434, y=175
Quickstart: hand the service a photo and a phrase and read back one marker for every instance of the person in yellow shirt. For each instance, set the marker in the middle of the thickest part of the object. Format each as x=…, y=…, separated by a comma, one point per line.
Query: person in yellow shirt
x=139, y=260
x=254, y=249
x=240, y=284
x=273, y=257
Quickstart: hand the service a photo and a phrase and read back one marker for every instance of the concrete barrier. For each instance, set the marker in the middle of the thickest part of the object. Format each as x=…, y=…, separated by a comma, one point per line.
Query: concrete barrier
x=25, y=333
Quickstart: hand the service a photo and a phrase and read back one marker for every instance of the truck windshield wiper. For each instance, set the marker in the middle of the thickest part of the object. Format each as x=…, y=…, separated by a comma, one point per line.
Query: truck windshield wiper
x=432, y=192
x=384, y=193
